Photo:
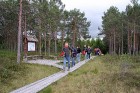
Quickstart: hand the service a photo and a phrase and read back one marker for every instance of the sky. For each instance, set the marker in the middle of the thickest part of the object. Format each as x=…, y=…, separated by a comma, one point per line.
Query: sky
x=94, y=10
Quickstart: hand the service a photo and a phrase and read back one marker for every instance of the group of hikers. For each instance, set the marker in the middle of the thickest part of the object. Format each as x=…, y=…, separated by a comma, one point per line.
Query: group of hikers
x=71, y=53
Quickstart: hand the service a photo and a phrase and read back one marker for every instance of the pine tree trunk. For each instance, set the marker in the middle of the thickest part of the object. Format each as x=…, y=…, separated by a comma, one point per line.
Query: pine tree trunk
x=128, y=40
x=110, y=45
x=114, y=51
x=137, y=43
x=49, y=42
x=45, y=42
x=74, y=33
x=138, y=40
x=62, y=39
x=134, y=40
x=19, y=33
x=39, y=42
x=119, y=49
x=55, y=41
x=25, y=39
x=122, y=40
x=131, y=42
x=74, y=36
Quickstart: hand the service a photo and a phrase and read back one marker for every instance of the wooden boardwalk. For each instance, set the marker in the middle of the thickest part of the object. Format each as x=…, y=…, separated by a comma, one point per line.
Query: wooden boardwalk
x=47, y=62
x=41, y=84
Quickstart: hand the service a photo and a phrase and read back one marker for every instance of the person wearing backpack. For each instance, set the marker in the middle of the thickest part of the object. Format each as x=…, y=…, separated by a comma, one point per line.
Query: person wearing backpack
x=78, y=54
x=88, y=52
x=73, y=55
x=66, y=51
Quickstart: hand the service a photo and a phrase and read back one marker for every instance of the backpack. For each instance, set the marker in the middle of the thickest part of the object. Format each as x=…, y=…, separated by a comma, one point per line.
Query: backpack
x=74, y=52
x=62, y=54
x=83, y=52
x=88, y=50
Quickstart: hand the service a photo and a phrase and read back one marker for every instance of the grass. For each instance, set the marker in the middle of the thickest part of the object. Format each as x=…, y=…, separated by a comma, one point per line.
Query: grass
x=13, y=76
x=31, y=74
x=104, y=74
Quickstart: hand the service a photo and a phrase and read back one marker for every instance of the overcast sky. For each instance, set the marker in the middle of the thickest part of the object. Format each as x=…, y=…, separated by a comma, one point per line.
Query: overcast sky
x=94, y=10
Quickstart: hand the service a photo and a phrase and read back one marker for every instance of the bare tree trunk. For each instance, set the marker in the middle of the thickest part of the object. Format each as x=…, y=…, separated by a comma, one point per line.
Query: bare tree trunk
x=119, y=49
x=25, y=40
x=110, y=45
x=55, y=40
x=21, y=40
x=45, y=42
x=129, y=43
x=137, y=43
x=19, y=33
x=62, y=38
x=74, y=32
x=122, y=40
x=49, y=42
x=74, y=35
x=40, y=42
x=114, y=42
x=10, y=45
x=134, y=41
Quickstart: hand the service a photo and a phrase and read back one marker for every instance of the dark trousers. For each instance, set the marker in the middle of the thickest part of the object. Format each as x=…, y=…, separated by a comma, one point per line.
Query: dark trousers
x=88, y=55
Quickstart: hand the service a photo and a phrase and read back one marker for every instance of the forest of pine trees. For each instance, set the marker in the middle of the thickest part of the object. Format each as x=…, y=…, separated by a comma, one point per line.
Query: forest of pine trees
x=121, y=29
x=46, y=19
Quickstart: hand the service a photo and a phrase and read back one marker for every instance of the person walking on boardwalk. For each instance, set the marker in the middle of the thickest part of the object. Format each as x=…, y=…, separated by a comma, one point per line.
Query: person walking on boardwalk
x=88, y=52
x=66, y=51
x=78, y=56
x=84, y=52
x=97, y=51
x=73, y=55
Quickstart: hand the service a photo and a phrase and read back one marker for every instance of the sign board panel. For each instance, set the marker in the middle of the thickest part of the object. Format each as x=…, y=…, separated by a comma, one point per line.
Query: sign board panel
x=31, y=46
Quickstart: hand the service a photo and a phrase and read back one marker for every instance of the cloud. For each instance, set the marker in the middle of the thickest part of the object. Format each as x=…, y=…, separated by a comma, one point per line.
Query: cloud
x=94, y=10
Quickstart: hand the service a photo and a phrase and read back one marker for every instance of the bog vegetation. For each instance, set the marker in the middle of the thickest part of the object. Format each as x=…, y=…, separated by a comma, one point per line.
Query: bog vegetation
x=104, y=74
x=13, y=75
